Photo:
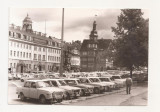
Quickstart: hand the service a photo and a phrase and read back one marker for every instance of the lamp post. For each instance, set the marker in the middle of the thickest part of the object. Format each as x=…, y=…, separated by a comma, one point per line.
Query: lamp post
x=62, y=33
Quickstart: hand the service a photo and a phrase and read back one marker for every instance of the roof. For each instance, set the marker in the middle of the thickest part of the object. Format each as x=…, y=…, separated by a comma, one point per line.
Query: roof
x=101, y=44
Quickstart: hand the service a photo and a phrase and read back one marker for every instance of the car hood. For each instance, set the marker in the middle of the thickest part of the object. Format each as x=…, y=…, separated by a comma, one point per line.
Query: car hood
x=69, y=88
x=109, y=83
x=99, y=83
x=51, y=89
x=88, y=86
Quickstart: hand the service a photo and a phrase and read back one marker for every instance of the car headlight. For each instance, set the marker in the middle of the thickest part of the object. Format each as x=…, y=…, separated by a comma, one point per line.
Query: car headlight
x=49, y=95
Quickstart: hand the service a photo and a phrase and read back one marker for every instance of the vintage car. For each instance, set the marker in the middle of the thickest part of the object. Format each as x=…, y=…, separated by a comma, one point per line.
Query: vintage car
x=40, y=90
x=26, y=77
x=107, y=79
x=98, y=88
x=107, y=85
x=86, y=89
x=118, y=78
x=72, y=92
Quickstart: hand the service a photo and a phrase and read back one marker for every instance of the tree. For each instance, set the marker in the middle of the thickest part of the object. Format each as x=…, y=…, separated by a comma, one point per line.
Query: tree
x=131, y=43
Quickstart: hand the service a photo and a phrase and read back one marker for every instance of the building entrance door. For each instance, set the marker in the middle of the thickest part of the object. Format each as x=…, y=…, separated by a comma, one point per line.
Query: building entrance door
x=40, y=68
x=21, y=68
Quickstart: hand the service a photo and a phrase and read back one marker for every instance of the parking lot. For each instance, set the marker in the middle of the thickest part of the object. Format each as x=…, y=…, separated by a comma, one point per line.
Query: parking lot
x=119, y=96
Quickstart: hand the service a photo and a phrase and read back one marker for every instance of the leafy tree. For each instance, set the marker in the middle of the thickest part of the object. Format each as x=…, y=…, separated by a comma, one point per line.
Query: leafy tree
x=131, y=43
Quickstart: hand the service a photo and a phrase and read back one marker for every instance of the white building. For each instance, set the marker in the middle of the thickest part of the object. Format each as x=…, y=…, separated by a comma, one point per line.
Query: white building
x=31, y=51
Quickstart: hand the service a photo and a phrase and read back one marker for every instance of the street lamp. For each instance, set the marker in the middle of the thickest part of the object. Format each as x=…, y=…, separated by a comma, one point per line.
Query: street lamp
x=62, y=33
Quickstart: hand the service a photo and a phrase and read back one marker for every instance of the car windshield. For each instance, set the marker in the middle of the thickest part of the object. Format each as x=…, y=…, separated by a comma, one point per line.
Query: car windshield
x=94, y=80
x=84, y=80
x=42, y=84
x=79, y=81
x=104, y=79
x=71, y=82
x=116, y=77
x=62, y=83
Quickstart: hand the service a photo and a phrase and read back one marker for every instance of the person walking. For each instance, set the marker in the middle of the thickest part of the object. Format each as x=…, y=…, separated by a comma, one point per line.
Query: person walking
x=128, y=85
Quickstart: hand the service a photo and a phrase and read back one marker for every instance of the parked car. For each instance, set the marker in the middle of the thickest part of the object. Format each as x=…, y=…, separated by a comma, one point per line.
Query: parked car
x=72, y=92
x=107, y=85
x=26, y=77
x=98, y=88
x=38, y=89
x=86, y=89
x=118, y=78
x=107, y=79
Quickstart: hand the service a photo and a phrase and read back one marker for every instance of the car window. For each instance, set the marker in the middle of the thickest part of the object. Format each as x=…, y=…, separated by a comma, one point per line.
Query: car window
x=94, y=79
x=104, y=79
x=62, y=83
x=33, y=85
x=116, y=77
x=70, y=82
x=84, y=80
x=54, y=83
x=42, y=84
x=27, y=84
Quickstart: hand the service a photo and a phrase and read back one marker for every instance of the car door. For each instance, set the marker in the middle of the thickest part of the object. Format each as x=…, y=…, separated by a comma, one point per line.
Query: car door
x=25, y=89
x=33, y=91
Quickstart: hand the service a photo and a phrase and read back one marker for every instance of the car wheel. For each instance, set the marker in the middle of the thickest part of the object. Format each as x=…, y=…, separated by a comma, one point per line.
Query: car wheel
x=42, y=99
x=59, y=100
x=22, y=80
x=82, y=93
x=96, y=91
x=22, y=97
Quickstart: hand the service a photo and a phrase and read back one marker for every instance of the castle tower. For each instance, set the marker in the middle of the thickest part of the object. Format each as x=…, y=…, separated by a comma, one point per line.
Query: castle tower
x=27, y=24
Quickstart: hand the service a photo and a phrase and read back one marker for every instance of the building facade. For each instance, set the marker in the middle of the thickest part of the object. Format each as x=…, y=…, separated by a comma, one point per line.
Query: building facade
x=92, y=52
x=32, y=51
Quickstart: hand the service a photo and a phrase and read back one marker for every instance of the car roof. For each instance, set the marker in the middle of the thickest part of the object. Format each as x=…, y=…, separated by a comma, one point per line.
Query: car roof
x=33, y=80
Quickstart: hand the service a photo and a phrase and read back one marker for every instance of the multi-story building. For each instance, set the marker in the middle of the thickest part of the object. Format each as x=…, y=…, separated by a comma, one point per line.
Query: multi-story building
x=92, y=52
x=32, y=51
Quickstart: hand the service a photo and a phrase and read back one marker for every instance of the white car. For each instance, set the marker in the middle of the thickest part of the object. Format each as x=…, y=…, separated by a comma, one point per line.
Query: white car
x=109, y=85
x=118, y=78
x=72, y=92
x=38, y=89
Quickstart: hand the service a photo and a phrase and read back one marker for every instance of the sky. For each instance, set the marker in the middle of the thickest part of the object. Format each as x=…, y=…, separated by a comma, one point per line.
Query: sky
x=77, y=21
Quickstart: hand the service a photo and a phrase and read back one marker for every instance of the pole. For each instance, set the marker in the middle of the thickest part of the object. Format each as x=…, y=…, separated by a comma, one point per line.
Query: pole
x=62, y=33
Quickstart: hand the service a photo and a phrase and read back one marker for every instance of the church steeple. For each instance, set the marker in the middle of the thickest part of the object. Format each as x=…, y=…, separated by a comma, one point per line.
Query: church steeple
x=94, y=35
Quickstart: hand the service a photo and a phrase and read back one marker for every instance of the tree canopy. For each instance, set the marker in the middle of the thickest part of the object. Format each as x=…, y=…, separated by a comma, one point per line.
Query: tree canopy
x=131, y=43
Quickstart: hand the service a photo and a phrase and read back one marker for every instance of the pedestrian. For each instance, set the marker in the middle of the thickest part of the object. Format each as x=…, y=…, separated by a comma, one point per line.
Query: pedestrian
x=128, y=85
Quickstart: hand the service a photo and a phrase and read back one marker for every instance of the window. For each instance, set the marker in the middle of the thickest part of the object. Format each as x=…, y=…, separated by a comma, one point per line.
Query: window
x=39, y=48
x=14, y=65
x=17, y=44
x=35, y=48
x=23, y=54
x=35, y=56
x=30, y=47
x=43, y=57
x=24, y=37
x=39, y=57
x=29, y=55
x=23, y=45
x=84, y=53
x=11, y=53
x=29, y=66
x=33, y=85
x=10, y=65
x=9, y=33
x=27, y=84
x=18, y=54
x=44, y=49
x=26, y=46
x=48, y=58
x=14, y=44
x=14, y=53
